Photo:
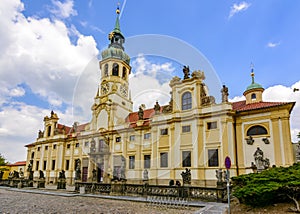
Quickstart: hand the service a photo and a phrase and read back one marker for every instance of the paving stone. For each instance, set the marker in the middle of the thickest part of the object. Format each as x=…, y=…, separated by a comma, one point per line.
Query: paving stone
x=38, y=201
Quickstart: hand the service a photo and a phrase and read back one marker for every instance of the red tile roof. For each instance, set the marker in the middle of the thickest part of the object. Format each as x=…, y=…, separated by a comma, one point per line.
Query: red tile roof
x=62, y=128
x=18, y=163
x=242, y=106
x=68, y=130
x=236, y=106
x=133, y=117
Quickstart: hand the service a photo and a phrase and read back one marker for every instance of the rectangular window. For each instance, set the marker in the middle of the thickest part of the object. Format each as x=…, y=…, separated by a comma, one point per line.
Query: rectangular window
x=67, y=164
x=68, y=146
x=211, y=125
x=132, y=138
x=46, y=147
x=164, y=132
x=186, y=159
x=118, y=139
x=86, y=144
x=186, y=129
x=213, y=157
x=38, y=148
x=37, y=165
x=147, y=159
x=164, y=159
x=77, y=145
x=131, y=162
x=147, y=136
x=53, y=165
x=54, y=146
x=45, y=165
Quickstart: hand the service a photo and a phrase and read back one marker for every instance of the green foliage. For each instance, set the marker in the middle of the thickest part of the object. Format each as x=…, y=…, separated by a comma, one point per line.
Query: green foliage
x=3, y=161
x=265, y=188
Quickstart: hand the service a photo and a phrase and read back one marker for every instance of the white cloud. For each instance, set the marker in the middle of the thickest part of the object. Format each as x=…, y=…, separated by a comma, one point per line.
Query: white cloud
x=19, y=125
x=273, y=44
x=150, y=82
x=236, y=8
x=63, y=9
x=38, y=52
x=237, y=98
x=17, y=92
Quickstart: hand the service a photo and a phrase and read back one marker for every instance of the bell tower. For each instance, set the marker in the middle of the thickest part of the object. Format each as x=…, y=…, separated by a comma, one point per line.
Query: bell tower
x=254, y=91
x=113, y=101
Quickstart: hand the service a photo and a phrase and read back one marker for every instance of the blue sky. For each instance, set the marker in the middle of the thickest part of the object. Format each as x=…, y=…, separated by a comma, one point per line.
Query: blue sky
x=50, y=51
x=265, y=33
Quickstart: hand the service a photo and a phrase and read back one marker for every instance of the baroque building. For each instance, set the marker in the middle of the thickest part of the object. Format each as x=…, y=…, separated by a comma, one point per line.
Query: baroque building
x=192, y=132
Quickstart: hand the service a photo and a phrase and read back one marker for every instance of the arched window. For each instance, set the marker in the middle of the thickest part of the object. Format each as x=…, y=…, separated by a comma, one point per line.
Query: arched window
x=32, y=155
x=186, y=101
x=253, y=96
x=124, y=73
x=49, y=131
x=106, y=70
x=115, y=70
x=257, y=130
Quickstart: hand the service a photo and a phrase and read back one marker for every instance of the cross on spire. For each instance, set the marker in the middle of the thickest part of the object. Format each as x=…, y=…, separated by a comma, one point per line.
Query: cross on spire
x=252, y=72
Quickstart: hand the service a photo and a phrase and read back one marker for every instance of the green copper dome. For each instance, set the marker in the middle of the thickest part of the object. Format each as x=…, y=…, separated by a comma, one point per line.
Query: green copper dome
x=254, y=85
x=116, y=53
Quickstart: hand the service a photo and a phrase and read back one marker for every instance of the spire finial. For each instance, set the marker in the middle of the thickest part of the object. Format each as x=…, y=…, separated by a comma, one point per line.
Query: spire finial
x=118, y=9
x=117, y=24
x=252, y=72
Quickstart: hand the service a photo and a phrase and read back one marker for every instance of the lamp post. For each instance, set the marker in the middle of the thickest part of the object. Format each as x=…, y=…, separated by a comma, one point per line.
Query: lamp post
x=228, y=165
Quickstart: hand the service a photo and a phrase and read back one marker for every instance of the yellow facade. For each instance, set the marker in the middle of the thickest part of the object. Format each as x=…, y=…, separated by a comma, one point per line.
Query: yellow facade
x=6, y=170
x=191, y=132
x=10, y=168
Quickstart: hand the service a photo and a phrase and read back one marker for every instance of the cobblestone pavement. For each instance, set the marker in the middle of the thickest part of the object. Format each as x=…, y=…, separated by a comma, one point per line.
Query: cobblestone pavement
x=12, y=201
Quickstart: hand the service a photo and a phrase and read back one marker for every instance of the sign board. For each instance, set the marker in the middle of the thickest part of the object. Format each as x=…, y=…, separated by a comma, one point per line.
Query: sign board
x=227, y=162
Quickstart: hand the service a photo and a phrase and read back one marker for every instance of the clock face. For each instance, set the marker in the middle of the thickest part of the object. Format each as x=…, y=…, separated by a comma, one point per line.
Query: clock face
x=124, y=90
x=104, y=88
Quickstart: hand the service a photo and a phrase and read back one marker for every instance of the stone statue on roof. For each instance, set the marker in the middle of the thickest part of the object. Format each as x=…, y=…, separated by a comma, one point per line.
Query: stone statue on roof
x=74, y=127
x=157, y=108
x=41, y=134
x=186, y=72
x=141, y=113
x=225, y=94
